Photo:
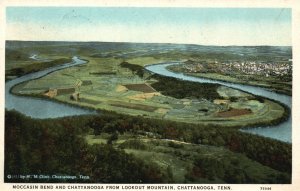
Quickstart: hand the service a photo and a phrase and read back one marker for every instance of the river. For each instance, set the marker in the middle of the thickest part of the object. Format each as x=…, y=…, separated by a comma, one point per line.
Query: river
x=42, y=108
x=280, y=132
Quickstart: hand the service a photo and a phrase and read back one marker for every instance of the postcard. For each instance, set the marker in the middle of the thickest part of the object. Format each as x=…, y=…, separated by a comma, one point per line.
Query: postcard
x=136, y=95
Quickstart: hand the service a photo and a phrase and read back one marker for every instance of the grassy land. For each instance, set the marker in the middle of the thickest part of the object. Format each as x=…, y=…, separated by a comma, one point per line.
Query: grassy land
x=179, y=159
x=151, y=129
x=20, y=70
x=108, y=92
x=112, y=145
x=272, y=83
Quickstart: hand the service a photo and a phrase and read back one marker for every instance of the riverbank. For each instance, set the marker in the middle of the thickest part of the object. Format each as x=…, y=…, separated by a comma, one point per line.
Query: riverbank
x=22, y=70
x=37, y=107
x=286, y=100
x=272, y=85
x=104, y=94
x=237, y=81
x=167, y=137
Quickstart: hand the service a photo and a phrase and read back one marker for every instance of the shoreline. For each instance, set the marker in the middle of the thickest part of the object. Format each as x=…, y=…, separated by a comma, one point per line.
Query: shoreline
x=271, y=124
x=285, y=116
x=242, y=83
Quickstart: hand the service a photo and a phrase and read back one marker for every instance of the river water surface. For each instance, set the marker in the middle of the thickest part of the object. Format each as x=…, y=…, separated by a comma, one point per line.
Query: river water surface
x=37, y=107
x=281, y=131
x=41, y=108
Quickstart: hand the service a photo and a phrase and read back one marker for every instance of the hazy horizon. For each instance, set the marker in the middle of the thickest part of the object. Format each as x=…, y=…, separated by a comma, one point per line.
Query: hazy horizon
x=144, y=43
x=195, y=26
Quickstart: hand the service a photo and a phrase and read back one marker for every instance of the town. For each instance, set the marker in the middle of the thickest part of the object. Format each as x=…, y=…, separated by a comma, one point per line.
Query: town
x=266, y=69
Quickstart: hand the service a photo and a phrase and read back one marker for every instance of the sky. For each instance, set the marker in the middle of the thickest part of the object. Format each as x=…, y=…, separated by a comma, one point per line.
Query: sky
x=205, y=26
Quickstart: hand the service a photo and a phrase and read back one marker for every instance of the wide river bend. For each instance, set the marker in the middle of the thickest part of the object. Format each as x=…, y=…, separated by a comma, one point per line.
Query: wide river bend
x=38, y=107
x=281, y=131
x=42, y=108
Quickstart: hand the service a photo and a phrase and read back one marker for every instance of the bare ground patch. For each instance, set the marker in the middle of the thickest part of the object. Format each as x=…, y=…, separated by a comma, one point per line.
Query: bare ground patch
x=121, y=88
x=143, y=96
x=234, y=112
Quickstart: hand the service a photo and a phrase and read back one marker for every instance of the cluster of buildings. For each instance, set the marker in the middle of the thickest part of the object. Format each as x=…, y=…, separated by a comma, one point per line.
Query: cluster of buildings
x=266, y=69
x=261, y=68
x=71, y=90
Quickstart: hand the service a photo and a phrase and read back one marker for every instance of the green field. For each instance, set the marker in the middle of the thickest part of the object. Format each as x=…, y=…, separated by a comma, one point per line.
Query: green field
x=151, y=129
x=123, y=92
x=277, y=83
x=178, y=159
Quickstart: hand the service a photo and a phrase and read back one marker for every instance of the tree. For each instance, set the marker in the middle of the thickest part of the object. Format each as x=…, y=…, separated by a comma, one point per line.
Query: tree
x=112, y=138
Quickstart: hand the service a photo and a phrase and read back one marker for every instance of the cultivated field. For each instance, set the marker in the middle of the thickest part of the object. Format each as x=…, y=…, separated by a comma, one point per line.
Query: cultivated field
x=167, y=130
x=118, y=89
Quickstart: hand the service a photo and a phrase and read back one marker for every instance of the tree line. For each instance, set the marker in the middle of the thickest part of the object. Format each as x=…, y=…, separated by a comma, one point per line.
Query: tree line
x=272, y=153
x=56, y=147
